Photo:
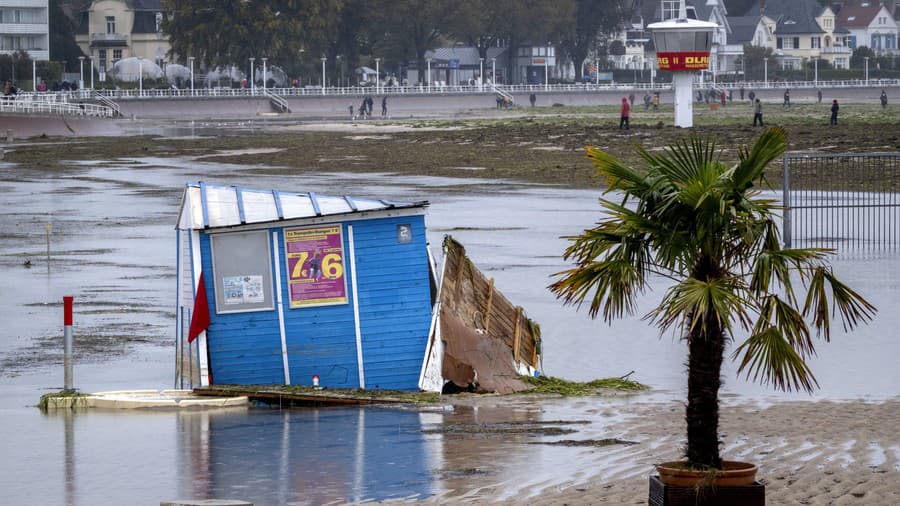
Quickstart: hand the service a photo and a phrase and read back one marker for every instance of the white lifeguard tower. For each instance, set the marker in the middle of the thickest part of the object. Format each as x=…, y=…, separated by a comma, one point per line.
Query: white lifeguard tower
x=682, y=46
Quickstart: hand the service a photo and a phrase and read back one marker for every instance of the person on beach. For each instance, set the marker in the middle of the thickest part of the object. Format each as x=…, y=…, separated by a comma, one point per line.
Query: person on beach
x=351, y=112
x=626, y=111
x=362, y=109
x=384, y=106
x=883, y=99
x=656, y=101
x=834, y=111
x=819, y=95
x=757, y=113
x=631, y=98
x=742, y=93
x=532, y=98
x=752, y=95
x=787, y=98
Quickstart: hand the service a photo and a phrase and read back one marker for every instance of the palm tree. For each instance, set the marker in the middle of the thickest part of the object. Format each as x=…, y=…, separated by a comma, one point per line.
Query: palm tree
x=700, y=223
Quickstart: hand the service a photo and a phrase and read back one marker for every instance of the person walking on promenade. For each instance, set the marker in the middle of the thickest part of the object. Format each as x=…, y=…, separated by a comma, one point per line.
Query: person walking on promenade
x=626, y=111
x=834, y=111
x=883, y=99
x=757, y=113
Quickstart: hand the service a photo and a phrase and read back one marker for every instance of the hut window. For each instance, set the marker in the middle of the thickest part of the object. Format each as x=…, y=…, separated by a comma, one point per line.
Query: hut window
x=242, y=267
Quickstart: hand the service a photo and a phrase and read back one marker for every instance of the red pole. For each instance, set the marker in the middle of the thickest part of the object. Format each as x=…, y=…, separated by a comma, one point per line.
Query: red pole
x=67, y=341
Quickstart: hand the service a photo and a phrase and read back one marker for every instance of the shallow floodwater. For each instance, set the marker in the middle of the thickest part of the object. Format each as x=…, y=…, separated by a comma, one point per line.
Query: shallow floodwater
x=112, y=246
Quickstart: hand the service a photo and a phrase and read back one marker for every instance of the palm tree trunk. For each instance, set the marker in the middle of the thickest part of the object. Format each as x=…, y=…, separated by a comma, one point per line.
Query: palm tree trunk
x=706, y=351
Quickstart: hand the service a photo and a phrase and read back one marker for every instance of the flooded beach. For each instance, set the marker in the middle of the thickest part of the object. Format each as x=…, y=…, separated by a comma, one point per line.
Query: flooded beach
x=110, y=227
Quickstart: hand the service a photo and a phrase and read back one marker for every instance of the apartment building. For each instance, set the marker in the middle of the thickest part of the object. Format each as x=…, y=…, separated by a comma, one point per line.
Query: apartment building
x=25, y=26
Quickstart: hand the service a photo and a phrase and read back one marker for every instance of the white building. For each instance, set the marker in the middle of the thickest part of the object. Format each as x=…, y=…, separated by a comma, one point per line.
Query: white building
x=111, y=30
x=871, y=25
x=25, y=25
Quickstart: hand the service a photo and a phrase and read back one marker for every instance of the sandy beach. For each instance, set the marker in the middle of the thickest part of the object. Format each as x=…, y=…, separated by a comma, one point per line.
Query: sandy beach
x=815, y=452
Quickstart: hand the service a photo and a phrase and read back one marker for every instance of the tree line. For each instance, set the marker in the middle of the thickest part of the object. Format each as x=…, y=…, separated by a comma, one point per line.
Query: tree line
x=295, y=34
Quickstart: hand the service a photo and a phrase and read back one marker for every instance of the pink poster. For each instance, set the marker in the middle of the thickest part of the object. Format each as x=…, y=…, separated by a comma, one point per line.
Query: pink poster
x=315, y=266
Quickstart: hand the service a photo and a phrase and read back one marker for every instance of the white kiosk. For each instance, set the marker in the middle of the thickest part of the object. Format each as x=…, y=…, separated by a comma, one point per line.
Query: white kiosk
x=682, y=46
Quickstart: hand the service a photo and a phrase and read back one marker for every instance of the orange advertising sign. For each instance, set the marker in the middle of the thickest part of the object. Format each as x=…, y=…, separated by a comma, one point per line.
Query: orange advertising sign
x=683, y=60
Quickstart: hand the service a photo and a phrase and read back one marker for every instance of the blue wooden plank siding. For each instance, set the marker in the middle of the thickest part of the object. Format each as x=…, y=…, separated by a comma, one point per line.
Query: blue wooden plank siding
x=244, y=348
x=394, y=319
x=394, y=301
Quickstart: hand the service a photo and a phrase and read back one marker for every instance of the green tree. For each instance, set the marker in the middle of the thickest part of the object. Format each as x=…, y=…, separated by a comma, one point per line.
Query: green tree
x=221, y=32
x=62, y=36
x=754, y=64
x=479, y=23
x=858, y=58
x=591, y=18
x=691, y=218
x=416, y=25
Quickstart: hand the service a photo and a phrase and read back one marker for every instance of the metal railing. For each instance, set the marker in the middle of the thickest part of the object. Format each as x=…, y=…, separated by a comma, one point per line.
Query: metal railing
x=36, y=104
x=488, y=89
x=106, y=101
x=847, y=200
x=277, y=101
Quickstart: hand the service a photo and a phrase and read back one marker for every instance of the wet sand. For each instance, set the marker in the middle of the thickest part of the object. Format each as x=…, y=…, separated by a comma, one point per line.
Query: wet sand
x=808, y=453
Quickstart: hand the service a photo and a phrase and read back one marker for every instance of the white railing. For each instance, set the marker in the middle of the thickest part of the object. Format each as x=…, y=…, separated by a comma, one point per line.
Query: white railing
x=360, y=91
x=51, y=105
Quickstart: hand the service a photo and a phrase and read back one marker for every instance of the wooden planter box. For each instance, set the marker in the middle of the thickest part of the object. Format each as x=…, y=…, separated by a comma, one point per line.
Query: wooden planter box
x=665, y=495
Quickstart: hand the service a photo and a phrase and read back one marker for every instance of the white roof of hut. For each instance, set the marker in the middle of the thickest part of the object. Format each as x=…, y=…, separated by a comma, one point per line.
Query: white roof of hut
x=206, y=206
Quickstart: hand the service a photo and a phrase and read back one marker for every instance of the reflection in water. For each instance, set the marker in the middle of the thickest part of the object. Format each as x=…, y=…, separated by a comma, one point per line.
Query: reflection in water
x=69, y=417
x=304, y=456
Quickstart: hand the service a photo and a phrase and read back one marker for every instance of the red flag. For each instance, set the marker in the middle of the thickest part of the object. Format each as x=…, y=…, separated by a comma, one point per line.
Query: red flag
x=200, y=316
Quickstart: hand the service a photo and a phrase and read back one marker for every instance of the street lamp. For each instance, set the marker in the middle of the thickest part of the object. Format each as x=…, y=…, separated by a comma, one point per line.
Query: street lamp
x=428, y=75
x=377, y=75
x=324, y=59
x=481, y=74
x=191, y=60
x=140, y=76
x=265, y=80
x=547, y=69
x=597, y=71
x=252, y=74
x=34, y=76
x=494, y=72
x=866, y=58
x=766, y=72
x=816, y=71
x=340, y=70
x=92, y=70
x=80, y=72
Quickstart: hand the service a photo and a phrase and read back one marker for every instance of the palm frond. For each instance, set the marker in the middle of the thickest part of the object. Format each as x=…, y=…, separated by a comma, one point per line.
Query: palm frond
x=769, y=358
x=618, y=175
x=771, y=144
x=695, y=303
x=609, y=285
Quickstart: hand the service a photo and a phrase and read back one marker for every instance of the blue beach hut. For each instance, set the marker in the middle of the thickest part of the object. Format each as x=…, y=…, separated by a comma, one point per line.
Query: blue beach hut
x=277, y=287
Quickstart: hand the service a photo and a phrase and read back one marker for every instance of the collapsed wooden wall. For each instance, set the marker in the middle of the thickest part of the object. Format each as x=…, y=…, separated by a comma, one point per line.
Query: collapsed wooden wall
x=469, y=295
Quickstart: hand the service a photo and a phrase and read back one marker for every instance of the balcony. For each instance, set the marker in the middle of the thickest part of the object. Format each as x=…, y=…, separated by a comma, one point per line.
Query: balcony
x=109, y=40
x=836, y=50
